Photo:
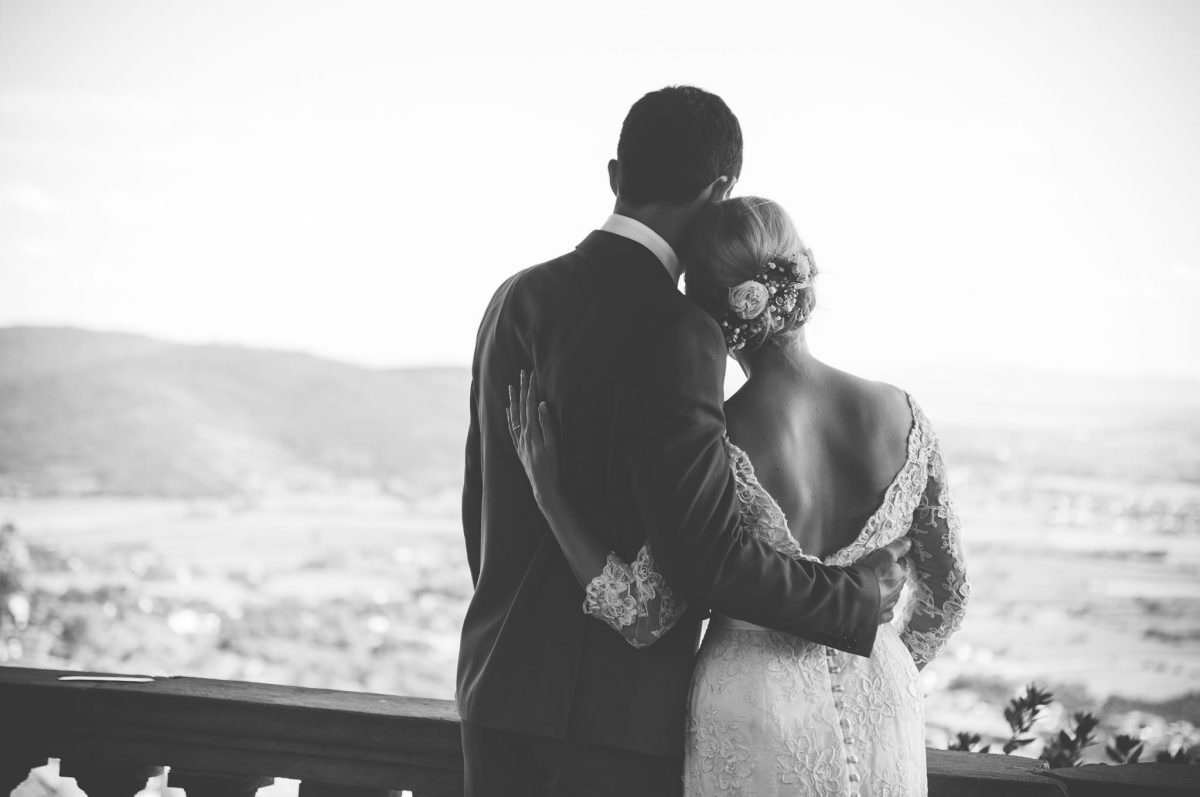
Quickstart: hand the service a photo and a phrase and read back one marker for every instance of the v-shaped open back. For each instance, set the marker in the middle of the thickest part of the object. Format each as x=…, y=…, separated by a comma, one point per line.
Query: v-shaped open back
x=763, y=517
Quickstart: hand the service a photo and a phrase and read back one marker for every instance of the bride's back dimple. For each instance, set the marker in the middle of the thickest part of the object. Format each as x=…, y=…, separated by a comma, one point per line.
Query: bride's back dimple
x=826, y=451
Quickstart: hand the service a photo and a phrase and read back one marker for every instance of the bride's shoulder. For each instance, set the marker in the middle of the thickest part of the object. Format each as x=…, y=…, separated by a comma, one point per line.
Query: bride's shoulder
x=750, y=417
x=880, y=413
x=871, y=399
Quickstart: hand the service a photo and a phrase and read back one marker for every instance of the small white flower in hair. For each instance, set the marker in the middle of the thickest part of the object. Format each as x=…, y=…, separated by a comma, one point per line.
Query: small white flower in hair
x=749, y=299
x=802, y=268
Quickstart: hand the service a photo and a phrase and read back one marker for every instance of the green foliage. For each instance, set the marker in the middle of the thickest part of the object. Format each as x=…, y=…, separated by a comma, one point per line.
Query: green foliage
x=1021, y=713
x=1123, y=749
x=1064, y=749
x=1180, y=756
x=969, y=743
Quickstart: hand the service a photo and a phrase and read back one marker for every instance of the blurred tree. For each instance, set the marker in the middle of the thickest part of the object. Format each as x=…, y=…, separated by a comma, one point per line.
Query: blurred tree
x=16, y=569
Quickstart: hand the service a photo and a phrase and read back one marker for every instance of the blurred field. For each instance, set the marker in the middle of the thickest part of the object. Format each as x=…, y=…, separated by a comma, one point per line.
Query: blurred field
x=366, y=592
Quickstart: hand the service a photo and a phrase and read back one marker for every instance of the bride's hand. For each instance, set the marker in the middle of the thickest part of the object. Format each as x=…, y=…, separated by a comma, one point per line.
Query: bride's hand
x=532, y=429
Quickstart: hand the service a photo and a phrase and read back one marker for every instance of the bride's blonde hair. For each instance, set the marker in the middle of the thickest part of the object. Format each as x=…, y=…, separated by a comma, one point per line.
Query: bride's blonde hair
x=742, y=239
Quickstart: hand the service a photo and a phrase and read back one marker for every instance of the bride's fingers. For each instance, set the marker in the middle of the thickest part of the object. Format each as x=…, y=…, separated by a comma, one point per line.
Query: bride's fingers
x=535, y=428
x=514, y=432
x=514, y=427
x=512, y=407
x=546, y=424
x=524, y=421
x=898, y=548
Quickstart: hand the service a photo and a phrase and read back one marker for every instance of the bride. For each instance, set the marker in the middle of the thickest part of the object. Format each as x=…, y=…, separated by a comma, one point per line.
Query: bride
x=828, y=467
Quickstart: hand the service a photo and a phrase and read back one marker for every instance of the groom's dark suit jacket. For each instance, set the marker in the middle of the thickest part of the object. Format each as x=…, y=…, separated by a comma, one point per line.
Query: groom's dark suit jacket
x=634, y=372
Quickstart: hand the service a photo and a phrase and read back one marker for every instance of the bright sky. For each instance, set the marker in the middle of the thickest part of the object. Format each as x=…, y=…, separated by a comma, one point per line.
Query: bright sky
x=995, y=183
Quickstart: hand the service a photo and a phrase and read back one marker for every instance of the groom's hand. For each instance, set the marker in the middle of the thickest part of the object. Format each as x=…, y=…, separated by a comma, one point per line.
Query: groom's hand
x=889, y=566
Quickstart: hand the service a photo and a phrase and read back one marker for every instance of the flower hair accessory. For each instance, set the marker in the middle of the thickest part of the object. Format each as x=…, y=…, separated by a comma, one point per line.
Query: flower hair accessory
x=759, y=305
x=748, y=300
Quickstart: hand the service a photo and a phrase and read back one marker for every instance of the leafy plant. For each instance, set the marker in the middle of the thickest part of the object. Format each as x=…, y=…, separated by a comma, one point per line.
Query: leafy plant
x=1181, y=756
x=1066, y=749
x=1022, y=712
x=1124, y=749
x=969, y=743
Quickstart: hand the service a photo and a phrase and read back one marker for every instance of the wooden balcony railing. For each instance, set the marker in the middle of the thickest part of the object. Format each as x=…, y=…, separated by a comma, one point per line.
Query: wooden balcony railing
x=228, y=738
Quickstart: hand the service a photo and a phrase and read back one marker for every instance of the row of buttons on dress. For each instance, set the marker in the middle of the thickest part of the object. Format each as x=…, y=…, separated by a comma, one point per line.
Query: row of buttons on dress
x=834, y=670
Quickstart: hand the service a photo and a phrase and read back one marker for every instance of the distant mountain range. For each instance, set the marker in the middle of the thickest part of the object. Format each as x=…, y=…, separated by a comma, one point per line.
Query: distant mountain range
x=99, y=413
x=86, y=412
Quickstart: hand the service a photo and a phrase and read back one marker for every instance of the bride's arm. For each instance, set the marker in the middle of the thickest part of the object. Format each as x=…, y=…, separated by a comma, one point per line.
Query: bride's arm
x=939, y=576
x=633, y=599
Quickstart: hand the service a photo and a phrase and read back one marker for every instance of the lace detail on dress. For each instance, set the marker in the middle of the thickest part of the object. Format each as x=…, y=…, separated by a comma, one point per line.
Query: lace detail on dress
x=764, y=518
x=760, y=514
x=890, y=521
x=939, y=578
x=651, y=586
x=634, y=600
x=772, y=715
x=610, y=594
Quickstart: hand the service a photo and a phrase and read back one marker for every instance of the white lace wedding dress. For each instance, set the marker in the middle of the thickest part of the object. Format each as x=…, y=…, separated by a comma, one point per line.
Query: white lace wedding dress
x=772, y=714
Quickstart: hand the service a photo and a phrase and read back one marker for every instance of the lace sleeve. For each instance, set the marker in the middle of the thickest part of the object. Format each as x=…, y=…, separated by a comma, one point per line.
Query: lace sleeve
x=634, y=600
x=938, y=578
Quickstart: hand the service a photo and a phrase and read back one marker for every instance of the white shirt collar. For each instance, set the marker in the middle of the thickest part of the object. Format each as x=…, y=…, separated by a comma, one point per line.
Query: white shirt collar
x=637, y=232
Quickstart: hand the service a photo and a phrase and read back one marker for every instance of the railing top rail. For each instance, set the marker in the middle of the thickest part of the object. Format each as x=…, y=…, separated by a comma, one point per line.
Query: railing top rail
x=352, y=739
x=232, y=693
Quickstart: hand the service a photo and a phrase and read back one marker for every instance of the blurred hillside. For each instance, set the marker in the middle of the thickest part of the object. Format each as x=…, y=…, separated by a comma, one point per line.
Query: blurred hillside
x=95, y=413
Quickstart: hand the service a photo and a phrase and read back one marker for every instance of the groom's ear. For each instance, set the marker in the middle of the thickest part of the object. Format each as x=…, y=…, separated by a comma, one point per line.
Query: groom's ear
x=723, y=187
x=614, y=177
x=718, y=190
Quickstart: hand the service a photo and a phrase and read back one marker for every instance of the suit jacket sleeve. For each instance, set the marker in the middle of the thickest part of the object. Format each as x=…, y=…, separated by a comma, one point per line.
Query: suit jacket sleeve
x=684, y=490
x=472, y=498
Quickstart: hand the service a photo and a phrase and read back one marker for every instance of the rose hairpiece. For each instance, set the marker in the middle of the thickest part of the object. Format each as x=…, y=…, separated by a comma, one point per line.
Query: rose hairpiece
x=758, y=305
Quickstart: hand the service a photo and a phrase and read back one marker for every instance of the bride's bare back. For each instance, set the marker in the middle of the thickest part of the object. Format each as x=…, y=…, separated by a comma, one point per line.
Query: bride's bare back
x=824, y=443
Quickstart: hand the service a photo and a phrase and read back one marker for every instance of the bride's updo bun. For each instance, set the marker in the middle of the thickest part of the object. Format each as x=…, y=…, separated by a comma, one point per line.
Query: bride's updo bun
x=747, y=266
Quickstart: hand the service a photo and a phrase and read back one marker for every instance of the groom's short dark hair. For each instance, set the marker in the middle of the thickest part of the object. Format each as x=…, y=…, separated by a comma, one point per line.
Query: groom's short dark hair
x=674, y=142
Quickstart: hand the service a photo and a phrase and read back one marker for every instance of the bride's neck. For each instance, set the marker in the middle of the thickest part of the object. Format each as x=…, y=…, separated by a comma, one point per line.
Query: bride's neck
x=787, y=359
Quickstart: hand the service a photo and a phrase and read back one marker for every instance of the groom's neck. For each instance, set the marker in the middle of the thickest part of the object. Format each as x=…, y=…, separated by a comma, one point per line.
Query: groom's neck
x=669, y=221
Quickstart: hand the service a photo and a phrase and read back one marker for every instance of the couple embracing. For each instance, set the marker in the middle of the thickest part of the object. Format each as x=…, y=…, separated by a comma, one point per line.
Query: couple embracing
x=613, y=501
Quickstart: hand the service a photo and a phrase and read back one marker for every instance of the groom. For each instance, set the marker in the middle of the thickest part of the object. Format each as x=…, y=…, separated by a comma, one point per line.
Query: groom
x=553, y=702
